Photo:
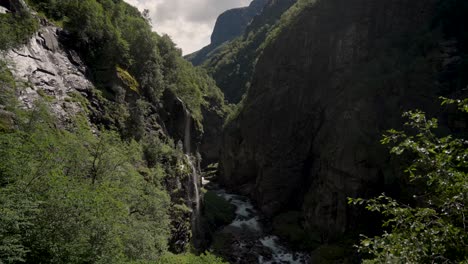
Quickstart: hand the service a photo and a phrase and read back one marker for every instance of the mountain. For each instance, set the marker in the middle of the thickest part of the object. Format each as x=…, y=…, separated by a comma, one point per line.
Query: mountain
x=229, y=25
x=231, y=64
x=333, y=76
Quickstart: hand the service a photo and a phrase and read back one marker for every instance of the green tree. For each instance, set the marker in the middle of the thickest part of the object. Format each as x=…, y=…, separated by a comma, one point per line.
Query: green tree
x=433, y=227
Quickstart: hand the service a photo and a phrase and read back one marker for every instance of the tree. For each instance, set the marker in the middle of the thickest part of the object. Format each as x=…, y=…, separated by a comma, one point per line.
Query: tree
x=433, y=228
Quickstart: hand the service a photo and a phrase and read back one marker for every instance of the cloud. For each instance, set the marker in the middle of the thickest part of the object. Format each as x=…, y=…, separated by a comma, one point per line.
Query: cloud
x=188, y=22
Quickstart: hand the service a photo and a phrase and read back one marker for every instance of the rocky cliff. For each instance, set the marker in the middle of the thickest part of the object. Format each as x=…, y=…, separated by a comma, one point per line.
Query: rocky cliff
x=51, y=72
x=324, y=90
x=229, y=25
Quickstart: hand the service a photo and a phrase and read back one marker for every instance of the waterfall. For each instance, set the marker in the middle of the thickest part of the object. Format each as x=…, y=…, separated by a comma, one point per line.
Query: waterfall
x=194, y=175
x=187, y=138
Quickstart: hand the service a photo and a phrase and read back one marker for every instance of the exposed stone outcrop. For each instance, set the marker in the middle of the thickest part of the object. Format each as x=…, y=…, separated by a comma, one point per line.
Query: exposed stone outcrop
x=14, y=6
x=322, y=95
x=47, y=71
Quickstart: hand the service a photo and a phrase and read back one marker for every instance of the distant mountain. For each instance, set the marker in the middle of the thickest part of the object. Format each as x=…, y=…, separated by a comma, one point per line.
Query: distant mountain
x=231, y=63
x=229, y=25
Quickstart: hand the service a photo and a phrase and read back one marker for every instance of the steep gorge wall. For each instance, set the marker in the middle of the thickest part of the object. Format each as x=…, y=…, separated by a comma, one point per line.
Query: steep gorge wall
x=323, y=93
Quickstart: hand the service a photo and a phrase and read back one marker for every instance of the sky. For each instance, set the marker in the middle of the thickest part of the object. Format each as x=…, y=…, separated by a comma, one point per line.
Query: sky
x=188, y=22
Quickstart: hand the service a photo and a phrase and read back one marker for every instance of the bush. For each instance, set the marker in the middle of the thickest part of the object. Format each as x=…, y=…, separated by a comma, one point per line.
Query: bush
x=433, y=228
x=16, y=29
x=206, y=258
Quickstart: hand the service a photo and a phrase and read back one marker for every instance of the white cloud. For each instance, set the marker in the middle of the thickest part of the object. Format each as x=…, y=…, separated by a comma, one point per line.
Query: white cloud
x=188, y=22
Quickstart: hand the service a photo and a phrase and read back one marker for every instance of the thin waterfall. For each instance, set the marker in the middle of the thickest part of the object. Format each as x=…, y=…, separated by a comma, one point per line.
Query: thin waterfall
x=194, y=175
x=187, y=138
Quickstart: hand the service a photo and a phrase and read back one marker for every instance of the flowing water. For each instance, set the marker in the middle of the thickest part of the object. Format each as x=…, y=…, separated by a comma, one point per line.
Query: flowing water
x=195, y=191
x=267, y=248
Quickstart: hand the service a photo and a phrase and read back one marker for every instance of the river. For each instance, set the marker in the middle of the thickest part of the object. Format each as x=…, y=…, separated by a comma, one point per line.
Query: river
x=252, y=243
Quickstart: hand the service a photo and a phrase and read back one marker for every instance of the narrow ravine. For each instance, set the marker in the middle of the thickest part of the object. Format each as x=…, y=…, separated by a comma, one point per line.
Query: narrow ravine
x=253, y=243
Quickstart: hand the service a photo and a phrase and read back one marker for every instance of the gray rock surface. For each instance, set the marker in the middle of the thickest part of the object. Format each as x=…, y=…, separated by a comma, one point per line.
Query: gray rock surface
x=47, y=70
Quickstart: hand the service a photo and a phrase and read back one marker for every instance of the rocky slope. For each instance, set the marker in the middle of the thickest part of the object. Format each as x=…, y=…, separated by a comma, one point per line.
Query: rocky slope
x=324, y=90
x=229, y=25
x=52, y=72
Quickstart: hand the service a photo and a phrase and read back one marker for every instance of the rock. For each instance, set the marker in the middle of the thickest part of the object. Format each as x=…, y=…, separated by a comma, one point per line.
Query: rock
x=15, y=6
x=45, y=69
x=323, y=93
x=49, y=39
x=213, y=121
x=173, y=114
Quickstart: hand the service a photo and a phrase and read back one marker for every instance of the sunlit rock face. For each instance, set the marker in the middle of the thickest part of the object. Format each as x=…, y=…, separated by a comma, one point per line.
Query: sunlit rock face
x=48, y=70
x=323, y=93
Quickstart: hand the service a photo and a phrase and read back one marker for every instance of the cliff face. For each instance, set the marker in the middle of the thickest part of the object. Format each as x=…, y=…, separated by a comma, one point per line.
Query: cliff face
x=52, y=72
x=229, y=25
x=323, y=93
x=232, y=23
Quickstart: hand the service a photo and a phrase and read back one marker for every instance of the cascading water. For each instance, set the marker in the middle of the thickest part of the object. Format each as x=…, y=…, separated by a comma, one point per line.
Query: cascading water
x=267, y=248
x=194, y=175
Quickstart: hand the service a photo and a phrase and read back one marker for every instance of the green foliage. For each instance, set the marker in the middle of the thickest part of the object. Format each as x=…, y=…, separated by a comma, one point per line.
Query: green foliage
x=77, y=198
x=232, y=64
x=193, y=85
x=16, y=29
x=433, y=228
x=206, y=258
x=7, y=87
x=118, y=44
x=287, y=19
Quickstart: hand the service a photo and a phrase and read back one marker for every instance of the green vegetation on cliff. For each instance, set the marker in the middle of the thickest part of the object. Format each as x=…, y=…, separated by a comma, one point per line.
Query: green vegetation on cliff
x=106, y=186
x=432, y=227
x=16, y=29
x=72, y=197
x=114, y=35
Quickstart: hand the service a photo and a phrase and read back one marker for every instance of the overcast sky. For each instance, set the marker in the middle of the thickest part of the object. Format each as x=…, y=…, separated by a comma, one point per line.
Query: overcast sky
x=188, y=22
